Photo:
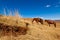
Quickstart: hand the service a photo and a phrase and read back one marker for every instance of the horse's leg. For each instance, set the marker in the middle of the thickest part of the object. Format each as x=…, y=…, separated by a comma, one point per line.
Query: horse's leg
x=49, y=25
x=41, y=22
x=55, y=24
x=32, y=20
x=37, y=22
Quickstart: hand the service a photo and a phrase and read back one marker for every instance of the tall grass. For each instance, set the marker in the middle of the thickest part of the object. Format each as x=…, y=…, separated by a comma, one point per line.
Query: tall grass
x=14, y=13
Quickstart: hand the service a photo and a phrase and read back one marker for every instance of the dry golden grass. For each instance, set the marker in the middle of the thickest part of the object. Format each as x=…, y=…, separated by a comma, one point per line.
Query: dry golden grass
x=35, y=32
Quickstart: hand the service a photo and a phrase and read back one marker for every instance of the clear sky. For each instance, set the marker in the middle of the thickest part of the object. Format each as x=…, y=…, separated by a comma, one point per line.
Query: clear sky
x=48, y=9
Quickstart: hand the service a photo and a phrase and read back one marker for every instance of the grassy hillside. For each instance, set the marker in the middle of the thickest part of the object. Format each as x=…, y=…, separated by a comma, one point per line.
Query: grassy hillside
x=35, y=31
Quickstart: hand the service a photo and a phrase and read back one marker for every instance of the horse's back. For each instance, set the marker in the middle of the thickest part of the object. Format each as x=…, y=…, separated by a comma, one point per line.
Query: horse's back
x=36, y=19
x=50, y=21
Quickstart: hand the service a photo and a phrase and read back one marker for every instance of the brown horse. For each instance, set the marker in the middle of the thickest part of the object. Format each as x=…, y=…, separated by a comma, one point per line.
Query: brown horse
x=51, y=22
x=37, y=20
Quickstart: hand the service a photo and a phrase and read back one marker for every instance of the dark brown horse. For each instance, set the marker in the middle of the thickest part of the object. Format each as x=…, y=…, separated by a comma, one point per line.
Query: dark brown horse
x=37, y=20
x=51, y=22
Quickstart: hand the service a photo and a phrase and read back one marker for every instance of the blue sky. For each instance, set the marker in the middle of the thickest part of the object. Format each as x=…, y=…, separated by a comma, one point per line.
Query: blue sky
x=47, y=9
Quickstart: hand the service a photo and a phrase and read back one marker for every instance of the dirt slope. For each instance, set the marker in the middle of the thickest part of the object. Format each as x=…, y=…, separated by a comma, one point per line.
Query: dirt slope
x=35, y=32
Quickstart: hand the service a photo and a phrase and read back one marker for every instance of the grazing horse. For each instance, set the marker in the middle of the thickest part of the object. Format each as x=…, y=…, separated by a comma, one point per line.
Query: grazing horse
x=51, y=22
x=37, y=20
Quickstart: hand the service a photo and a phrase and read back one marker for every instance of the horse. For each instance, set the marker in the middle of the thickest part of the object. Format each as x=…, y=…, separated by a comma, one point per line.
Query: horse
x=37, y=20
x=51, y=22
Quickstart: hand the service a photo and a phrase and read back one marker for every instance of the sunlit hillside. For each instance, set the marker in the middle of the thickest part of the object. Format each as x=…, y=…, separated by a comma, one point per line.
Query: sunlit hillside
x=35, y=31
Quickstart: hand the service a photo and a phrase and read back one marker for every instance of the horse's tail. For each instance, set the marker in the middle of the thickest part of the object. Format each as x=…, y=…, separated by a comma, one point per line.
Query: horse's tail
x=54, y=24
